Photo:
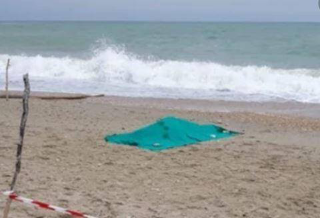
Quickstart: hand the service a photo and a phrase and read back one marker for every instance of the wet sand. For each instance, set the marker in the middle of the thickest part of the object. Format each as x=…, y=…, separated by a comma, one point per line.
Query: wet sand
x=273, y=170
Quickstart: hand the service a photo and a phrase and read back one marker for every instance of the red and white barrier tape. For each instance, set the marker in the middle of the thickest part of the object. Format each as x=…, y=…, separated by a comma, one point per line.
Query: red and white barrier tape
x=42, y=205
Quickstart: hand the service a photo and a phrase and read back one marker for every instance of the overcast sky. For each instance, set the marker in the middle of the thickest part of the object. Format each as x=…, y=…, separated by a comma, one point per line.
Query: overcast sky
x=161, y=10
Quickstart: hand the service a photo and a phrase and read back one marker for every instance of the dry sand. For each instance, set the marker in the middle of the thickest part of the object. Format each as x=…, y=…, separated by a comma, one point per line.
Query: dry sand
x=273, y=170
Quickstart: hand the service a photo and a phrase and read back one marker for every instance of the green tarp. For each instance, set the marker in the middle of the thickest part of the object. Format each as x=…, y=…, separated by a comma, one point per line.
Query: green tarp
x=170, y=132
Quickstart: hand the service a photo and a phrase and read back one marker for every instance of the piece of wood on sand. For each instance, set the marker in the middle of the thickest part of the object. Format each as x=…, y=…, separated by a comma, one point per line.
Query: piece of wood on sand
x=24, y=118
x=15, y=95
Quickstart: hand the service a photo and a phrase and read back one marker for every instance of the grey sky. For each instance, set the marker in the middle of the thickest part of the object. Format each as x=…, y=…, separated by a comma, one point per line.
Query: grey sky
x=161, y=10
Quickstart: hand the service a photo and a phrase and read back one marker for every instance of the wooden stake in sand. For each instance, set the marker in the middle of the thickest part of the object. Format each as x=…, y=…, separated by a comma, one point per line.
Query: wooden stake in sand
x=7, y=79
x=25, y=104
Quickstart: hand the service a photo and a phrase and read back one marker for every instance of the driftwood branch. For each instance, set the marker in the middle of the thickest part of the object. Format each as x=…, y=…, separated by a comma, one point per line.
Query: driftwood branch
x=76, y=97
x=24, y=118
x=53, y=97
x=7, y=80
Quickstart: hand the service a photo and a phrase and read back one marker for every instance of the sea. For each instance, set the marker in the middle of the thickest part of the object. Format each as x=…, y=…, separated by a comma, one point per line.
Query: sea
x=191, y=60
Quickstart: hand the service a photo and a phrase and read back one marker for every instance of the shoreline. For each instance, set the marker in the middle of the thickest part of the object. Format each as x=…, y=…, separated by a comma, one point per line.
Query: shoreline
x=279, y=108
x=291, y=108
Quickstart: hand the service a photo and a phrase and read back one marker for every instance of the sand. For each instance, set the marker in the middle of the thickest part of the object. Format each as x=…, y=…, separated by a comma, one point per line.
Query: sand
x=273, y=170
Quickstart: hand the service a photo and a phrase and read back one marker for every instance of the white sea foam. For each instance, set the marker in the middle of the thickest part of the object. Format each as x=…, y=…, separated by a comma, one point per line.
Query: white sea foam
x=114, y=71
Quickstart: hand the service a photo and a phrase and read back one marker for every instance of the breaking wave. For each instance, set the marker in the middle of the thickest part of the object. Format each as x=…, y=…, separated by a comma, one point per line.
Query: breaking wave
x=114, y=71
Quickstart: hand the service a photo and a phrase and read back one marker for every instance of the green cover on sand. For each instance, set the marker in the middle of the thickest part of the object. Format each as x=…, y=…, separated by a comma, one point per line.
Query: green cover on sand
x=170, y=132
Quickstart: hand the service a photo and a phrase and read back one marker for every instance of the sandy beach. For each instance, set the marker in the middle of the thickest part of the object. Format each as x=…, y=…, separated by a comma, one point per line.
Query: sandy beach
x=272, y=170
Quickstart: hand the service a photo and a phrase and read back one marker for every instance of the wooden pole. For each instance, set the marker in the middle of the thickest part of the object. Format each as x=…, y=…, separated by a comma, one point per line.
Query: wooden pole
x=7, y=80
x=24, y=118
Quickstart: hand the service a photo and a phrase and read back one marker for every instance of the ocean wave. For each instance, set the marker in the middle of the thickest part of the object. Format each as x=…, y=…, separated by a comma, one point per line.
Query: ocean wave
x=116, y=67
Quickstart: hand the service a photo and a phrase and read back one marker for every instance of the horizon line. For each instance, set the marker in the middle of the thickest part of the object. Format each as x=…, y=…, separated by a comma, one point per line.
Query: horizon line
x=167, y=21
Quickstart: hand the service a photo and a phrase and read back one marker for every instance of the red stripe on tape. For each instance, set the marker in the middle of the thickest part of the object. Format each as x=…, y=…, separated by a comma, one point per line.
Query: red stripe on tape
x=75, y=213
x=43, y=205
